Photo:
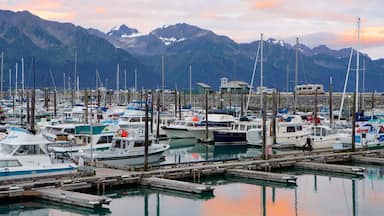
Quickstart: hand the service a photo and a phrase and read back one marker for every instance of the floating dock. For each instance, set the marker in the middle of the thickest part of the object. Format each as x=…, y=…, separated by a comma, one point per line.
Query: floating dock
x=176, y=185
x=59, y=187
x=264, y=176
x=73, y=198
x=331, y=168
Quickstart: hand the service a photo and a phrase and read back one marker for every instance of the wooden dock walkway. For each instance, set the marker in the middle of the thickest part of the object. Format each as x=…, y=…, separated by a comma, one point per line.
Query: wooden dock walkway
x=167, y=176
x=369, y=160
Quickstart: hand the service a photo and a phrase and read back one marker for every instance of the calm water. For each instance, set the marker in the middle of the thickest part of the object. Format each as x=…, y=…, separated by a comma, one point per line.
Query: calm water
x=315, y=194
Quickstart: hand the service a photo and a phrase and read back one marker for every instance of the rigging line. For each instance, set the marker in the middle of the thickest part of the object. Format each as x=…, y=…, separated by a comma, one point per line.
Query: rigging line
x=345, y=84
x=53, y=80
x=253, y=77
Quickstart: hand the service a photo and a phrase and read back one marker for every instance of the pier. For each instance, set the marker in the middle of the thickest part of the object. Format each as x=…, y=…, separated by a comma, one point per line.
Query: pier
x=61, y=187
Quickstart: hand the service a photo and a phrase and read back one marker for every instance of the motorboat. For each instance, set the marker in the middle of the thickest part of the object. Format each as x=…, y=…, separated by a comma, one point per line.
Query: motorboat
x=86, y=137
x=195, y=127
x=24, y=153
x=128, y=149
x=237, y=134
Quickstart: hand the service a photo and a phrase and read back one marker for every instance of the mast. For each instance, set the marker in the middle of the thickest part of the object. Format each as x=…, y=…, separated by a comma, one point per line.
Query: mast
x=16, y=72
x=117, y=83
x=10, y=82
x=125, y=79
x=363, y=88
x=22, y=89
x=261, y=70
x=357, y=66
x=1, y=75
x=135, y=80
x=190, y=85
x=75, y=72
x=162, y=79
x=296, y=74
x=287, y=70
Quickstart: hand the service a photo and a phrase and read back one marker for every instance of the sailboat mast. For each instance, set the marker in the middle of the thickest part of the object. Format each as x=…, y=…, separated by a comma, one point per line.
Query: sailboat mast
x=261, y=70
x=363, y=88
x=125, y=79
x=190, y=85
x=16, y=70
x=135, y=80
x=162, y=79
x=357, y=66
x=117, y=83
x=22, y=90
x=296, y=74
x=1, y=75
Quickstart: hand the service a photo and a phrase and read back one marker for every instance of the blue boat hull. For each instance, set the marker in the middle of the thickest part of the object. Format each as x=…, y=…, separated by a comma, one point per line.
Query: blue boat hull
x=26, y=172
x=229, y=137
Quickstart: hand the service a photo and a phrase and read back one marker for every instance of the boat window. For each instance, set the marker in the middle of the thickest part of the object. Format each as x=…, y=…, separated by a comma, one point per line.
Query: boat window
x=69, y=130
x=9, y=163
x=242, y=127
x=138, y=144
x=134, y=119
x=141, y=143
x=56, y=130
x=7, y=149
x=317, y=131
x=104, y=139
x=29, y=150
x=117, y=143
x=299, y=128
x=291, y=129
x=323, y=132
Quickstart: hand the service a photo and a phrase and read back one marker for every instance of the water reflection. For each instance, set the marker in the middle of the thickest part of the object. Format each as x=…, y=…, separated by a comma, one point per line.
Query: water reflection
x=188, y=150
x=316, y=193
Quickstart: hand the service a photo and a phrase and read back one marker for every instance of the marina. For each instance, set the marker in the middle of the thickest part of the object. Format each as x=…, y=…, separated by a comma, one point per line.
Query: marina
x=182, y=120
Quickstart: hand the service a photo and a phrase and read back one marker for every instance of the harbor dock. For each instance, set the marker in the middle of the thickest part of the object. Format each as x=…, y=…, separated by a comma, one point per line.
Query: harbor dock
x=61, y=187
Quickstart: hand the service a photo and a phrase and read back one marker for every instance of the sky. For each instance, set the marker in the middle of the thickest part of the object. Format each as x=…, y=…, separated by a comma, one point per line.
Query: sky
x=330, y=22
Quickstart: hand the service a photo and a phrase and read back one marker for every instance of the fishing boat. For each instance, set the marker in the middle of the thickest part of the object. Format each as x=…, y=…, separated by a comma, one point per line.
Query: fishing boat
x=128, y=149
x=290, y=132
x=86, y=137
x=323, y=136
x=193, y=127
x=24, y=153
x=237, y=134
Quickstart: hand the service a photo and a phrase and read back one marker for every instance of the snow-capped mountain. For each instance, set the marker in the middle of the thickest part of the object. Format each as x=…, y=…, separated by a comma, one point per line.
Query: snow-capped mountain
x=123, y=31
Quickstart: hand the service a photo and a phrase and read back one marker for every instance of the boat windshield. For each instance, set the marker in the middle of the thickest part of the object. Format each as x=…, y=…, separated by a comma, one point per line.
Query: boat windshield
x=7, y=149
x=29, y=150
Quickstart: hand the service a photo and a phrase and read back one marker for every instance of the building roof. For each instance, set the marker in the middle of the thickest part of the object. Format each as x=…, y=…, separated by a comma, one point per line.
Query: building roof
x=203, y=85
x=235, y=84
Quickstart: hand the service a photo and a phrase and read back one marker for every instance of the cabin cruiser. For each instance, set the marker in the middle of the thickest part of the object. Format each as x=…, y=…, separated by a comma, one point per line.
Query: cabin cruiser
x=193, y=127
x=237, y=134
x=24, y=153
x=127, y=149
x=86, y=137
x=290, y=132
x=366, y=136
x=322, y=136
x=58, y=131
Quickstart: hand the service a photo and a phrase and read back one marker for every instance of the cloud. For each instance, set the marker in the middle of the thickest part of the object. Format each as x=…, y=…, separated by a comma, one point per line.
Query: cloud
x=242, y=20
x=100, y=10
x=267, y=4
